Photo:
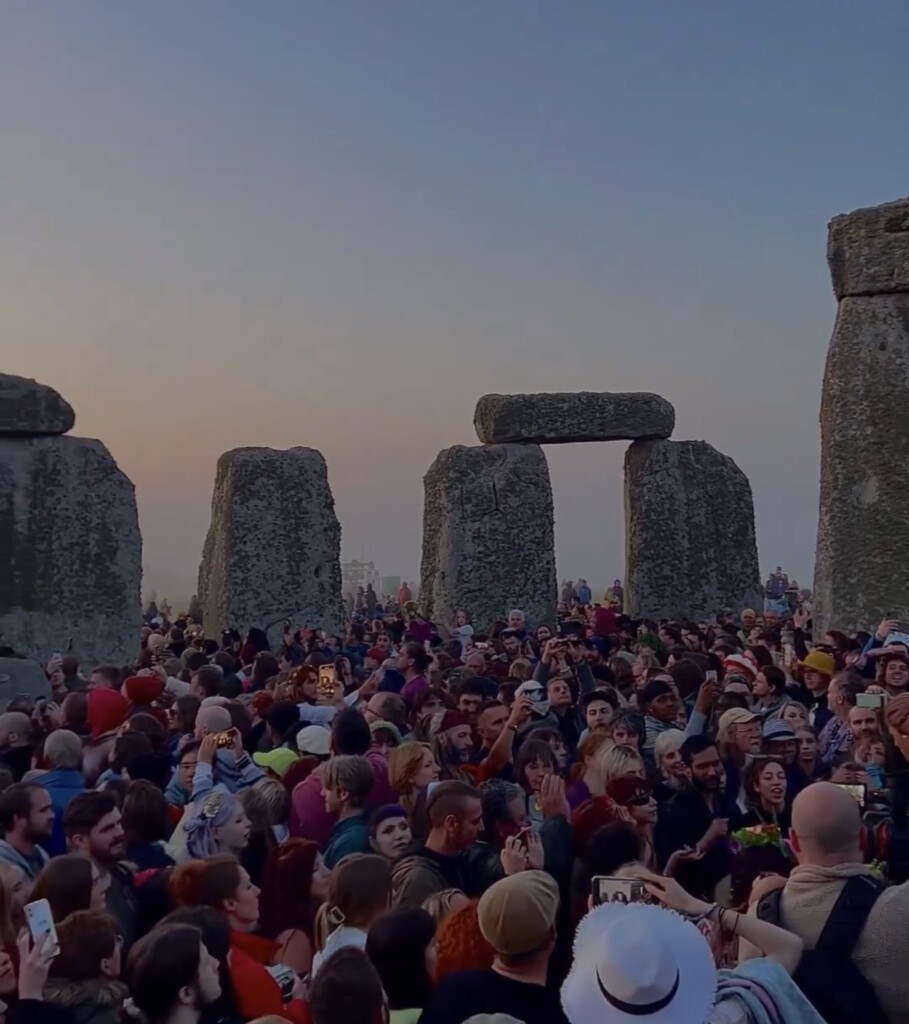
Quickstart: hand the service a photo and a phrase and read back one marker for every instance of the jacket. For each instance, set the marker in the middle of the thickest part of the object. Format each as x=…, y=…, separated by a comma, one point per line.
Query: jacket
x=422, y=873
x=95, y=1001
x=256, y=993
x=62, y=784
x=747, y=990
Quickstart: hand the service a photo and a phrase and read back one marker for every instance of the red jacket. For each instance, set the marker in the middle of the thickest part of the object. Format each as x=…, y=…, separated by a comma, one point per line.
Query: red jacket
x=256, y=992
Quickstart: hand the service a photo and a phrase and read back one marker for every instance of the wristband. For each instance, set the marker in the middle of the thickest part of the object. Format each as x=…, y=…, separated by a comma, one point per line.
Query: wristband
x=696, y=919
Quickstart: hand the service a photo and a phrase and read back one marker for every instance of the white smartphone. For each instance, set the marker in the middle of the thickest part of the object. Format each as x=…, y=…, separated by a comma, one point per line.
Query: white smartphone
x=40, y=923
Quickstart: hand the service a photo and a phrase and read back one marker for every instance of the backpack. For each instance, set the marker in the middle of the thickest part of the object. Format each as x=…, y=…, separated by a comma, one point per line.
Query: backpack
x=827, y=975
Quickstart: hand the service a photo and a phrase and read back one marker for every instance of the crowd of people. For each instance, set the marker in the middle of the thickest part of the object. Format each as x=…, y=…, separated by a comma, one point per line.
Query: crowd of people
x=415, y=821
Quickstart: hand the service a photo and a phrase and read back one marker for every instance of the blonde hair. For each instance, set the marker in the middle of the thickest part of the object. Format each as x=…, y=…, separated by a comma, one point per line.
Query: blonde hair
x=794, y=704
x=666, y=743
x=591, y=745
x=404, y=763
x=359, y=889
x=520, y=669
x=438, y=906
x=609, y=764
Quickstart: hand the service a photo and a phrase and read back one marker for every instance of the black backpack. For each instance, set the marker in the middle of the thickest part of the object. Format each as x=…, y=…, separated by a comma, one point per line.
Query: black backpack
x=827, y=976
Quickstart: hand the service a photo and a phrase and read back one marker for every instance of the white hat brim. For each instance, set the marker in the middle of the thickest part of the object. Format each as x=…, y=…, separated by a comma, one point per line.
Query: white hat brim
x=582, y=999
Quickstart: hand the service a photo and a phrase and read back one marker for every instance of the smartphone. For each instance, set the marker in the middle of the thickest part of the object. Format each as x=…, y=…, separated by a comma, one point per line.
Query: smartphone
x=870, y=700
x=225, y=739
x=612, y=889
x=710, y=675
x=427, y=646
x=40, y=923
x=327, y=678
x=855, y=790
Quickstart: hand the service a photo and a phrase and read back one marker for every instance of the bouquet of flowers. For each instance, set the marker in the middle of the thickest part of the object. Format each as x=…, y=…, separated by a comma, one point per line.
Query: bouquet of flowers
x=756, y=836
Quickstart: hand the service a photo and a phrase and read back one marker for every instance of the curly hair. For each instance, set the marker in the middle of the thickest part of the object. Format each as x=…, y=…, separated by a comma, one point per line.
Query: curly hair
x=460, y=944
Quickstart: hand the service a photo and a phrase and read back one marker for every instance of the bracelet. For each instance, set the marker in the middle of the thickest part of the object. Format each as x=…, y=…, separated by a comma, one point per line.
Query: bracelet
x=712, y=909
x=735, y=923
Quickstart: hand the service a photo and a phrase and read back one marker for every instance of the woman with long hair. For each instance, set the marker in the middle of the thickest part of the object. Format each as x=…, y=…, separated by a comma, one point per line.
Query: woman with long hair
x=221, y=883
x=288, y=902
x=581, y=771
x=401, y=947
x=411, y=768
x=359, y=890
x=70, y=883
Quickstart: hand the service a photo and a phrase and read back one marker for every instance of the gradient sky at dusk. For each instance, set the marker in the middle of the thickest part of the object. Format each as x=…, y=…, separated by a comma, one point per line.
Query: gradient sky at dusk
x=336, y=224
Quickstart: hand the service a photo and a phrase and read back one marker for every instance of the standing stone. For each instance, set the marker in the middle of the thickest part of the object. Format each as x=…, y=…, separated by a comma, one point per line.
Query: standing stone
x=28, y=408
x=21, y=676
x=70, y=551
x=561, y=418
x=274, y=545
x=488, y=541
x=863, y=519
x=690, y=548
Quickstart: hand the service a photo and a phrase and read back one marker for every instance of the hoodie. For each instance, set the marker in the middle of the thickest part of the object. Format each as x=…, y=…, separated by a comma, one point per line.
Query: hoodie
x=30, y=865
x=62, y=784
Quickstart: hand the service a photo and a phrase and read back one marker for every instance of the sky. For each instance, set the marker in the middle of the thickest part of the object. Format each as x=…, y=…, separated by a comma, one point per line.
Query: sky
x=337, y=224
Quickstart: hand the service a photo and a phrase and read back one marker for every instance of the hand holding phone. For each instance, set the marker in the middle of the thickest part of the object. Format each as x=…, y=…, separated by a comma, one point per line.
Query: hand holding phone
x=613, y=889
x=41, y=925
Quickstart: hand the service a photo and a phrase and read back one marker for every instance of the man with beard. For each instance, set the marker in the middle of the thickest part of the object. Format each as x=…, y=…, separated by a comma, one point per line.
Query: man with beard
x=172, y=976
x=453, y=742
x=91, y=824
x=697, y=818
x=27, y=819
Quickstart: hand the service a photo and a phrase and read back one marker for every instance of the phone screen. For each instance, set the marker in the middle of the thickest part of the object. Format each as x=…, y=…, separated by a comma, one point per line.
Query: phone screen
x=327, y=676
x=855, y=790
x=40, y=923
x=869, y=700
x=612, y=889
x=710, y=675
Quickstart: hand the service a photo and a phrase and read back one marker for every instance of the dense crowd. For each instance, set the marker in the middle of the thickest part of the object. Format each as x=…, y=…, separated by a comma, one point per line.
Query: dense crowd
x=597, y=820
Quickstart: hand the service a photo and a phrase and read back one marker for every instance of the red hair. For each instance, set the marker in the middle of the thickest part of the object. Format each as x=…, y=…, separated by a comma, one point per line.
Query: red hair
x=285, y=899
x=460, y=944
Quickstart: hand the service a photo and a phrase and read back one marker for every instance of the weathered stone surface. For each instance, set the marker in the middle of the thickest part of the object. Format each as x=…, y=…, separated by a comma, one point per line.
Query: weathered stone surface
x=70, y=551
x=561, y=418
x=21, y=676
x=29, y=408
x=868, y=250
x=863, y=520
x=488, y=534
x=273, y=548
x=690, y=546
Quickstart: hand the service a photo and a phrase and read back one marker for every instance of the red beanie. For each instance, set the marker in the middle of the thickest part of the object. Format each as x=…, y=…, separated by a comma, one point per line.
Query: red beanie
x=376, y=653
x=452, y=720
x=142, y=690
x=106, y=710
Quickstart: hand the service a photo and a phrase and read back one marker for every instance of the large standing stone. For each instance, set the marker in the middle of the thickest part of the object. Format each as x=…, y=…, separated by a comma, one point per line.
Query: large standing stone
x=29, y=408
x=274, y=545
x=20, y=676
x=561, y=418
x=70, y=551
x=868, y=250
x=690, y=547
x=863, y=520
x=488, y=534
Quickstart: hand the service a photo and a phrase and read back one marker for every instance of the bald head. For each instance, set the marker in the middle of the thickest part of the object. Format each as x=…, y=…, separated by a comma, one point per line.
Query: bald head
x=212, y=719
x=827, y=824
x=14, y=729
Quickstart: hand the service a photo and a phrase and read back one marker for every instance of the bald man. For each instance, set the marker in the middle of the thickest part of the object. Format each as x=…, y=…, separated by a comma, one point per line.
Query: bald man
x=15, y=744
x=826, y=839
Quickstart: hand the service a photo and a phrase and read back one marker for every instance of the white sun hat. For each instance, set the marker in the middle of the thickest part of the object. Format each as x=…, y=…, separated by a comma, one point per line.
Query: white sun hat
x=639, y=964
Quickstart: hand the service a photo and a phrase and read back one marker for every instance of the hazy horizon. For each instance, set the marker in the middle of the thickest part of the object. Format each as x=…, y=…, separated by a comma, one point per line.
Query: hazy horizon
x=337, y=225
